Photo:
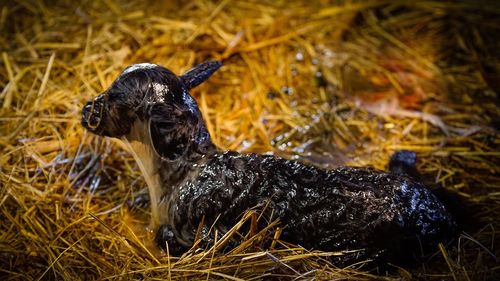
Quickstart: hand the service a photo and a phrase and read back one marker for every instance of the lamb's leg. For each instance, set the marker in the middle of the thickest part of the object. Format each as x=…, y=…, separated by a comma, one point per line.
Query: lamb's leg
x=404, y=162
x=209, y=237
x=165, y=237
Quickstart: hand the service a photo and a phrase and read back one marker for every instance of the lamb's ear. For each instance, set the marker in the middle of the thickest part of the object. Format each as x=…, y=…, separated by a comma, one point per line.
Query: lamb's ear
x=198, y=74
x=169, y=131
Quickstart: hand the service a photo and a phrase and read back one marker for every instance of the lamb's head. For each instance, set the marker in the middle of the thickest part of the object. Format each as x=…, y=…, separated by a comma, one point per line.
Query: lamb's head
x=152, y=99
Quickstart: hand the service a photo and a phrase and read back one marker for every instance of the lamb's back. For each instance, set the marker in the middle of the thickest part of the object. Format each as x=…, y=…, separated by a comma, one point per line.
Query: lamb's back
x=344, y=208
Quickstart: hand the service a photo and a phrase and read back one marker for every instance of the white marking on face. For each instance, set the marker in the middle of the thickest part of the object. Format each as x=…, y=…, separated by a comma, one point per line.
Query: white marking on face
x=160, y=90
x=139, y=66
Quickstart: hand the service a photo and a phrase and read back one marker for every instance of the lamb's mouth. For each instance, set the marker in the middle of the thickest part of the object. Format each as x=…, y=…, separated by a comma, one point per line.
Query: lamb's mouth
x=92, y=113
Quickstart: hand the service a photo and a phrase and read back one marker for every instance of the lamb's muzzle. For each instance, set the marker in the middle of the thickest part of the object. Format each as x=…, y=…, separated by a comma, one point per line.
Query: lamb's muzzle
x=190, y=180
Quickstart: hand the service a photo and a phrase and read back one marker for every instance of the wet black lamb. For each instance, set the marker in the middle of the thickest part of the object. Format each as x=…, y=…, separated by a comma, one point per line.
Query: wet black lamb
x=190, y=181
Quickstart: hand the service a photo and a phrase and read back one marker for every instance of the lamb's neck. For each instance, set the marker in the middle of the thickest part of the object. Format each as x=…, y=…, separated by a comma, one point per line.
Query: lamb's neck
x=149, y=165
x=172, y=175
x=163, y=176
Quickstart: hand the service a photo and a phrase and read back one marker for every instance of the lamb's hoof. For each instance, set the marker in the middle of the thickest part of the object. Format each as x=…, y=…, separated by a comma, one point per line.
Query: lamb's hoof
x=165, y=238
x=404, y=162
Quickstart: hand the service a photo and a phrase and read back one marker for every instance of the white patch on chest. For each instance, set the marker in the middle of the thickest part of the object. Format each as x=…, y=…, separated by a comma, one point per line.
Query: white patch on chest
x=138, y=143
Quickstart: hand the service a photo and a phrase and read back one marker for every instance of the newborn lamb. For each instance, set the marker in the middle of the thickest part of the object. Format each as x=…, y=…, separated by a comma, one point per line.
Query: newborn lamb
x=192, y=182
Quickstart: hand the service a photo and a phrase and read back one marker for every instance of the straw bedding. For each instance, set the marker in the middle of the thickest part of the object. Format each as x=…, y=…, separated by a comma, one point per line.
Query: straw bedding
x=329, y=83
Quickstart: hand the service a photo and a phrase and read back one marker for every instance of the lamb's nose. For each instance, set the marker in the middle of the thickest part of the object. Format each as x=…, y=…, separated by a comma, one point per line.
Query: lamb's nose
x=92, y=114
x=86, y=114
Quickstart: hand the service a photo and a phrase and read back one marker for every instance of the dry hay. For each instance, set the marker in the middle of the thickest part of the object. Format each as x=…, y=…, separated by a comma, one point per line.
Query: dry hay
x=329, y=83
